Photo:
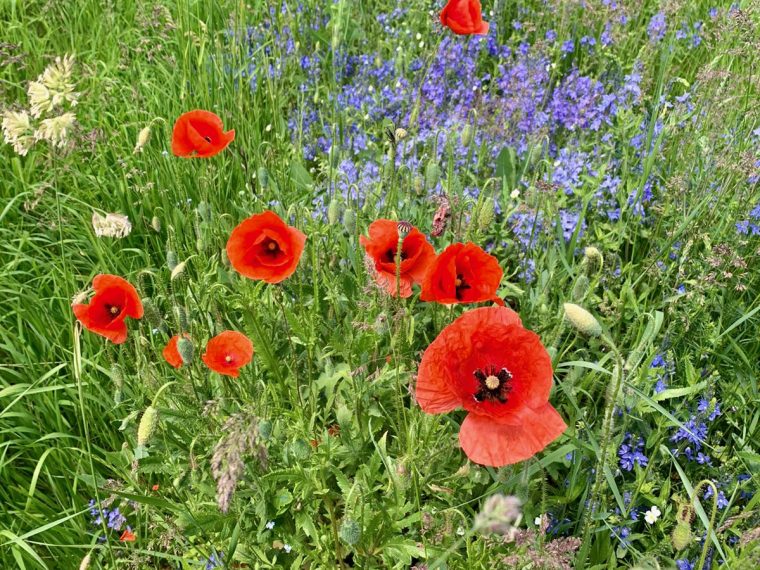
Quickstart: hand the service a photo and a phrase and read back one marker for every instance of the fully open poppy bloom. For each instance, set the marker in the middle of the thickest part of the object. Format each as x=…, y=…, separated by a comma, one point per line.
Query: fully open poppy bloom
x=264, y=247
x=171, y=352
x=488, y=364
x=114, y=300
x=462, y=273
x=464, y=17
x=382, y=247
x=227, y=352
x=199, y=134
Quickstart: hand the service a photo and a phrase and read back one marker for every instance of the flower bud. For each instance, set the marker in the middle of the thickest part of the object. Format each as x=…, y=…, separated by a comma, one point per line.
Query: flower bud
x=184, y=323
x=151, y=313
x=178, y=270
x=432, y=175
x=400, y=134
x=333, y=212
x=349, y=221
x=582, y=320
x=263, y=176
x=204, y=211
x=467, y=135
x=147, y=426
x=485, y=215
x=682, y=536
x=581, y=287
x=419, y=185
x=142, y=139
x=155, y=223
x=592, y=260
x=185, y=349
x=85, y=564
x=350, y=532
x=171, y=260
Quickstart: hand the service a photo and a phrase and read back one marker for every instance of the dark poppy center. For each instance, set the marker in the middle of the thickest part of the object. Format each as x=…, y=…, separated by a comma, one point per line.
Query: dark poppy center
x=113, y=310
x=390, y=256
x=493, y=384
x=207, y=139
x=461, y=286
x=271, y=247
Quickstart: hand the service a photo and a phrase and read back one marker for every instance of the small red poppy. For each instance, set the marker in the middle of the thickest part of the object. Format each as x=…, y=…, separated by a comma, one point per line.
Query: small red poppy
x=171, y=352
x=464, y=17
x=227, y=352
x=128, y=536
x=382, y=248
x=264, y=247
x=114, y=300
x=488, y=364
x=199, y=134
x=155, y=487
x=462, y=273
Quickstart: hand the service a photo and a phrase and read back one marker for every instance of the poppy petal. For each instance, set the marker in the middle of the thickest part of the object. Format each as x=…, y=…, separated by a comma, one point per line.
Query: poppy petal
x=496, y=445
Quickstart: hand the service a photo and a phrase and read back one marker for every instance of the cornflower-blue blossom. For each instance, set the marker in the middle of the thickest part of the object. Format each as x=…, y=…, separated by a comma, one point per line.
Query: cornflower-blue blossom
x=631, y=452
x=657, y=27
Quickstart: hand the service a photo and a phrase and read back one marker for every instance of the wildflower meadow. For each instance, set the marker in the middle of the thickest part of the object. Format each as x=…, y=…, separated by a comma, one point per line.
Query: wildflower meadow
x=408, y=284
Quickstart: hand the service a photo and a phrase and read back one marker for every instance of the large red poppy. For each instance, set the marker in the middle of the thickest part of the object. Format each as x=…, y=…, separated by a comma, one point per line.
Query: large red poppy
x=114, y=300
x=171, y=351
x=199, y=134
x=488, y=364
x=382, y=247
x=264, y=247
x=462, y=273
x=227, y=352
x=464, y=17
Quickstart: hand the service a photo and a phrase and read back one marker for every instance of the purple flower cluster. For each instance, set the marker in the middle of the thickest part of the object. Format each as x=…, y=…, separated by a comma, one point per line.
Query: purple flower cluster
x=113, y=518
x=664, y=369
x=694, y=432
x=631, y=452
x=751, y=225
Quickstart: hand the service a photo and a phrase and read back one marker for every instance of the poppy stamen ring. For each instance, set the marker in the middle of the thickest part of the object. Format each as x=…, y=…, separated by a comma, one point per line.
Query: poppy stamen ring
x=494, y=384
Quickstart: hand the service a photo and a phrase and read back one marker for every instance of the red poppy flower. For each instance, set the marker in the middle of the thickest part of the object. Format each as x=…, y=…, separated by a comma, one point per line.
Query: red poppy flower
x=464, y=17
x=227, y=352
x=264, y=247
x=114, y=300
x=171, y=353
x=382, y=246
x=128, y=536
x=199, y=134
x=462, y=273
x=488, y=364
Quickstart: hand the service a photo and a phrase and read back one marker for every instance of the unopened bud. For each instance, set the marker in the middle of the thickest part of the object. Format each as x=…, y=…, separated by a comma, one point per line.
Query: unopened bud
x=171, y=260
x=349, y=221
x=682, y=536
x=419, y=185
x=350, y=532
x=582, y=320
x=185, y=349
x=155, y=223
x=432, y=175
x=85, y=564
x=263, y=175
x=592, y=260
x=333, y=212
x=467, y=135
x=178, y=270
x=581, y=287
x=400, y=134
x=485, y=215
x=142, y=139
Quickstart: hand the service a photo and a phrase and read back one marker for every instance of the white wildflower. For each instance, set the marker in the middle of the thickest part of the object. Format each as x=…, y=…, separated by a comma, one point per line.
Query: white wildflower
x=56, y=129
x=54, y=87
x=17, y=131
x=111, y=225
x=652, y=515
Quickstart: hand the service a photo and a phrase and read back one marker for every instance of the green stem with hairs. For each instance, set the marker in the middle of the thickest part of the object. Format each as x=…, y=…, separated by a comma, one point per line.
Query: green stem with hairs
x=695, y=497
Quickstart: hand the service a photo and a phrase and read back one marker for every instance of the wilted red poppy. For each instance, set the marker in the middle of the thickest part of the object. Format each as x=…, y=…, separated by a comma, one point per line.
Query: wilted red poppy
x=488, y=364
x=128, y=536
x=171, y=352
x=462, y=273
x=382, y=247
x=114, y=300
x=227, y=352
x=464, y=17
x=264, y=247
x=199, y=134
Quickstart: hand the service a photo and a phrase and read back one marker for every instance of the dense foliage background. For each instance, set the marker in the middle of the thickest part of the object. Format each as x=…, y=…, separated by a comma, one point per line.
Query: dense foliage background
x=629, y=126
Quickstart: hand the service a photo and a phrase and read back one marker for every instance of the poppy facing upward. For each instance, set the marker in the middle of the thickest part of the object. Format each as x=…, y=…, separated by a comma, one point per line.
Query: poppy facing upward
x=114, y=300
x=228, y=352
x=464, y=17
x=199, y=134
x=264, y=247
x=488, y=364
x=462, y=273
x=382, y=248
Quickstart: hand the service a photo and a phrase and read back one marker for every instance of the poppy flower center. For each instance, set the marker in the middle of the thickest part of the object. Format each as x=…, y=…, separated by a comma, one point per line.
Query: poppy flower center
x=494, y=385
x=113, y=310
x=390, y=256
x=207, y=139
x=461, y=285
x=228, y=359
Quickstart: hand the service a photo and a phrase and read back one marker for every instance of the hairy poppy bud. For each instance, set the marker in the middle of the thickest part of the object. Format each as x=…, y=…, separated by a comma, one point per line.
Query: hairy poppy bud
x=178, y=270
x=350, y=532
x=581, y=288
x=142, y=139
x=400, y=134
x=419, y=185
x=171, y=260
x=349, y=221
x=582, y=320
x=204, y=211
x=682, y=536
x=151, y=313
x=592, y=261
x=485, y=215
x=263, y=176
x=467, y=135
x=185, y=349
x=333, y=212
x=147, y=426
x=155, y=223
x=432, y=175
x=117, y=377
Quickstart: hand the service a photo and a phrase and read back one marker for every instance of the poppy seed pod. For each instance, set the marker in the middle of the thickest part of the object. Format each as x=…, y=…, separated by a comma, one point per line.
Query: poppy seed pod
x=147, y=426
x=350, y=532
x=349, y=221
x=582, y=320
x=432, y=175
x=333, y=212
x=185, y=349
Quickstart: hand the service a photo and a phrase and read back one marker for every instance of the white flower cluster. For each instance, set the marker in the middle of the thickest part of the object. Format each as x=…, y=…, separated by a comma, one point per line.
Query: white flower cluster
x=52, y=92
x=111, y=225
